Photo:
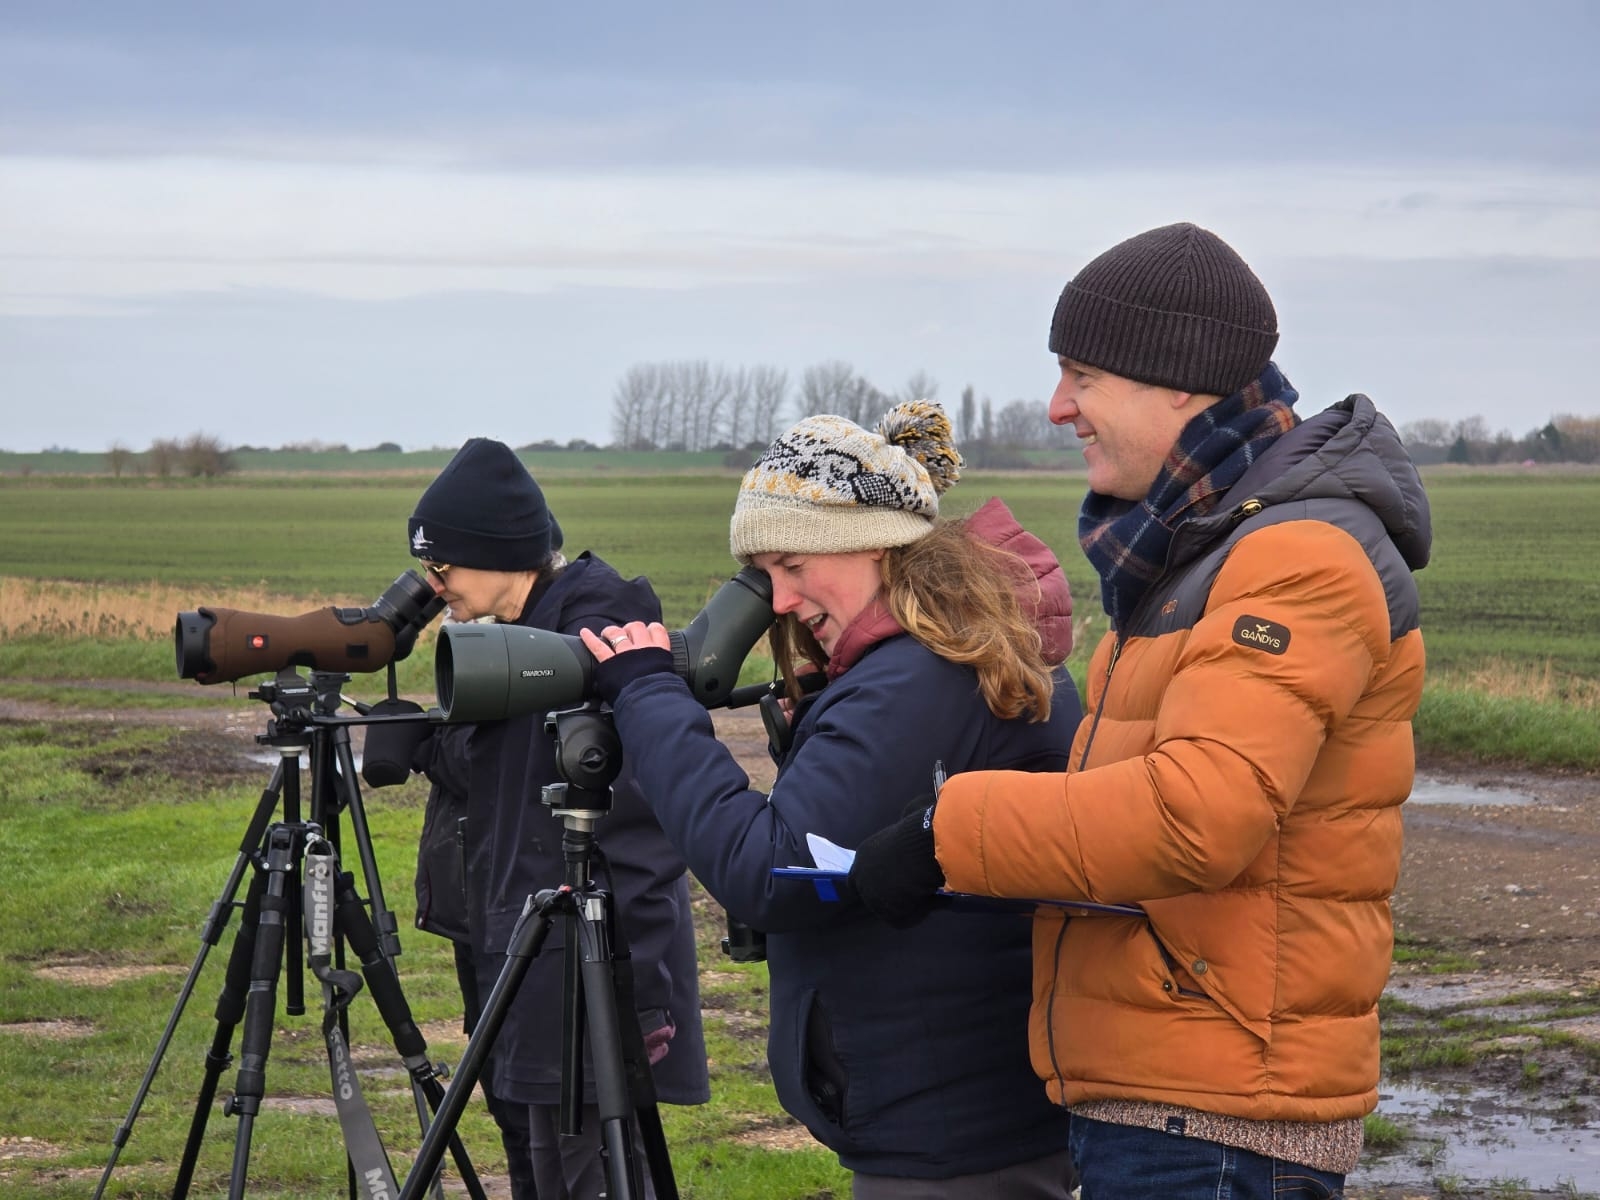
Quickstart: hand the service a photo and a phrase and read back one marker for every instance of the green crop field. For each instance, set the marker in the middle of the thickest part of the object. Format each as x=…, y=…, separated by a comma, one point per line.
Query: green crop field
x=1511, y=600
x=115, y=836
x=1515, y=575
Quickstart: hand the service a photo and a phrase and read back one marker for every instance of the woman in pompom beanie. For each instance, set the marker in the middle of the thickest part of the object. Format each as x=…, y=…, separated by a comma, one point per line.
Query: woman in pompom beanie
x=904, y=1051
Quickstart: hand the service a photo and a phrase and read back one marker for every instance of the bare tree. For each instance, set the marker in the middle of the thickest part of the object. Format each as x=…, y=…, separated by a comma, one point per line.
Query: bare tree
x=163, y=456
x=736, y=416
x=204, y=455
x=826, y=388
x=713, y=416
x=661, y=416
x=118, y=459
x=1472, y=430
x=864, y=404
x=1022, y=424
x=699, y=394
x=630, y=407
x=769, y=387
x=969, y=414
x=921, y=386
x=1579, y=437
x=1427, y=432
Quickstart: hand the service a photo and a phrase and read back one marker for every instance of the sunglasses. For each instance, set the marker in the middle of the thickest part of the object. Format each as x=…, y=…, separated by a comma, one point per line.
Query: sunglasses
x=437, y=570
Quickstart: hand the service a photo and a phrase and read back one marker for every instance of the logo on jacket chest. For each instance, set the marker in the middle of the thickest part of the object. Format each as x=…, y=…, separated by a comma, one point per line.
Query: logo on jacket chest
x=1261, y=635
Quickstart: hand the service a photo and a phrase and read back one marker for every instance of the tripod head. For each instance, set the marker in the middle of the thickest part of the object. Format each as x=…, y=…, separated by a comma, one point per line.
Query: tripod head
x=589, y=758
x=297, y=702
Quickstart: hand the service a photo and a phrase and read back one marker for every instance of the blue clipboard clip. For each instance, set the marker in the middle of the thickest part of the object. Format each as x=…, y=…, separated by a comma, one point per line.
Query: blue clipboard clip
x=826, y=882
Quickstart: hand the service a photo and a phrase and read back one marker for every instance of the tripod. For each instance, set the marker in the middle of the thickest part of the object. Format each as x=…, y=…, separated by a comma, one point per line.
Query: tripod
x=305, y=719
x=597, y=993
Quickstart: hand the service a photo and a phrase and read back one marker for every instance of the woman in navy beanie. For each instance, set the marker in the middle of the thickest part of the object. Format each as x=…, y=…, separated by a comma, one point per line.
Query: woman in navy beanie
x=492, y=551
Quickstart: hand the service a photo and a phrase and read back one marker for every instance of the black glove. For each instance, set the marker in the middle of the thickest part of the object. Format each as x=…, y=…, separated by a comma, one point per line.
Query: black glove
x=618, y=671
x=895, y=873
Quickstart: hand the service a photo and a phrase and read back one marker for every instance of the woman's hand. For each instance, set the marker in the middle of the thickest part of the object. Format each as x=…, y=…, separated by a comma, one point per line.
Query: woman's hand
x=620, y=639
x=623, y=653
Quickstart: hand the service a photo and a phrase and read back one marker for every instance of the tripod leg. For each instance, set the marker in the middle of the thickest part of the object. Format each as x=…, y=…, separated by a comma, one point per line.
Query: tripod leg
x=610, y=1081
x=210, y=934
x=229, y=1012
x=261, y=1002
x=526, y=939
x=616, y=1040
x=350, y=916
x=383, y=918
x=636, y=1063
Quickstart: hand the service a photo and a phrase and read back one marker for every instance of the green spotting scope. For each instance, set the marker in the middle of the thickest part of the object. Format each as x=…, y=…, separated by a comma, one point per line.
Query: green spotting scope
x=490, y=672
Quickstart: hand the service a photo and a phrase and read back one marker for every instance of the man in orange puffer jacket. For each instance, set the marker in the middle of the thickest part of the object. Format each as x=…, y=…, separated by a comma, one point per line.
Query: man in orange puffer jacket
x=1244, y=753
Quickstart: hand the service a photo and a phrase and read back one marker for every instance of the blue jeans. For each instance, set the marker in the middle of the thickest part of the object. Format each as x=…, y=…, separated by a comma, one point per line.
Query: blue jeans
x=1126, y=1162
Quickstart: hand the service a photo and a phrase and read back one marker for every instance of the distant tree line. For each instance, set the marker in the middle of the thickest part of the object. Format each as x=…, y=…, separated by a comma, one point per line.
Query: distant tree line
x=202, y=456
x=1564, y=438
x=700, y=406
x=199, y=456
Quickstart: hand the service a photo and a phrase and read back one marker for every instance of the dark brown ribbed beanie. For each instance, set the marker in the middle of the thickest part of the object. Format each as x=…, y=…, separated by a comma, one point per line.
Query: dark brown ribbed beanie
x=1174, y=306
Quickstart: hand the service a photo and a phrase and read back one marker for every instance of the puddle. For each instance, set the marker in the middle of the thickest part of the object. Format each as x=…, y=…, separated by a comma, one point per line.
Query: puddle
x=1479, y=1137
x=1433, y=992
x=1426, y=790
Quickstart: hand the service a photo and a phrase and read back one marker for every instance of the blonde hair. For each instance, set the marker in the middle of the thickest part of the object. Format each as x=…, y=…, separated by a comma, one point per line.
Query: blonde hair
x=958, y=596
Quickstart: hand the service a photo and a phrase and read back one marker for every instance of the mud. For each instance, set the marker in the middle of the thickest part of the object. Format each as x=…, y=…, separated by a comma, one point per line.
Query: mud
x=1492, y=1016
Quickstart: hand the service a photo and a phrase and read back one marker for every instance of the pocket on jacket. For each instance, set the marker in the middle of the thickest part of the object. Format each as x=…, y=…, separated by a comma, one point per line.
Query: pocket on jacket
x=1181, y=981
x=822, y=1072
x=808, y=1074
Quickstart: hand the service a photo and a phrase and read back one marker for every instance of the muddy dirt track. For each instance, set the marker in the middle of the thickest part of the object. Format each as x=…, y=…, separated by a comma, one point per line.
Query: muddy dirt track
x=1498, y=914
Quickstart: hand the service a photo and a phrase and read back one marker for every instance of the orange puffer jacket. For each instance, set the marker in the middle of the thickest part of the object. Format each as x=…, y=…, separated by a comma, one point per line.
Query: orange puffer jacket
x=1239, y=775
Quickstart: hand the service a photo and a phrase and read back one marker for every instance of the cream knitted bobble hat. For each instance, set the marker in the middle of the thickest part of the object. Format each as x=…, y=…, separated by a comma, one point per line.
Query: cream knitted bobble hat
x=829, y=486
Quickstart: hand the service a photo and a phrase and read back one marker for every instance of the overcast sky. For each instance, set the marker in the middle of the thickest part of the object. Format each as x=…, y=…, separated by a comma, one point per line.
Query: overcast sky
x=417, y=222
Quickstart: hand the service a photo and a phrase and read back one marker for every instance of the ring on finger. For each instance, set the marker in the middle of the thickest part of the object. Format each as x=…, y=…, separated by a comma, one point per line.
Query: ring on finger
x=614, y=642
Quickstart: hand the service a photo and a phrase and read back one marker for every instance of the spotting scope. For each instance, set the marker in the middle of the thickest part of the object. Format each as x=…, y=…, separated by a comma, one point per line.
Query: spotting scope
x=215, y=645
x=490, y=672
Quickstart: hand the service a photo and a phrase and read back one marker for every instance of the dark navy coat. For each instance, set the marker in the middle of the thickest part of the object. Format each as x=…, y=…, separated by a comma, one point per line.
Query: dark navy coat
x=906, y=1052
x=513, y=849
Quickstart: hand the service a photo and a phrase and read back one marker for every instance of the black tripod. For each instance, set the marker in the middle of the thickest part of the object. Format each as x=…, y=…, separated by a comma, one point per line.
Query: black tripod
x=597, y=992
x=305, y=718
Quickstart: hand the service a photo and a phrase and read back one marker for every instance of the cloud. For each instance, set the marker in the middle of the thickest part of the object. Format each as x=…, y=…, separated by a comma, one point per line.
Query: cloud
x=89, y=232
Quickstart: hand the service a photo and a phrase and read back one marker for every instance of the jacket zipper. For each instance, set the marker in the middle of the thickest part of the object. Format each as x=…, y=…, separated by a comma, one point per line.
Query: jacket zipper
x=1105, y=691
x=1055, y=979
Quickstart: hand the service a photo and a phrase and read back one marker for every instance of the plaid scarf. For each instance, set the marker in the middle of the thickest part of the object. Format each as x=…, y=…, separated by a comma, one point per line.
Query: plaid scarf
x=1126, y=541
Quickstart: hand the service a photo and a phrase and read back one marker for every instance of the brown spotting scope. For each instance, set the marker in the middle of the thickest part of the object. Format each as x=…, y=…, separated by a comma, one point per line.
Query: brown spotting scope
x=216, y=645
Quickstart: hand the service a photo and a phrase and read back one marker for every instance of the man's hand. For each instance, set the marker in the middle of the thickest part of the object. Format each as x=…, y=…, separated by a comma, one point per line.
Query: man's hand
x=895, y=872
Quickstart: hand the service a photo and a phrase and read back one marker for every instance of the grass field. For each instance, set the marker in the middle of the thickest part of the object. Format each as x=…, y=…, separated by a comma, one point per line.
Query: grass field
x=93, y=570
x=113, y=846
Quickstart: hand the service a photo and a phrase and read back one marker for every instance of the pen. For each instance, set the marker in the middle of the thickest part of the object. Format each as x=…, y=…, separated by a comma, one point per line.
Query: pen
x=938, y=776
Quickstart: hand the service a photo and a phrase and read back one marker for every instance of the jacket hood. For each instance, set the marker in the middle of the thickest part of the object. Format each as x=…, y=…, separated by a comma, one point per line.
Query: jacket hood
x=1348, y=451
x=1049, y=603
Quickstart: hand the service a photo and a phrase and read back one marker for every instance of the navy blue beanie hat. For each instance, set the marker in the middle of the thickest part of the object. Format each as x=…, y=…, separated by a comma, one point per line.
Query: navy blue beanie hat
x=484, y=511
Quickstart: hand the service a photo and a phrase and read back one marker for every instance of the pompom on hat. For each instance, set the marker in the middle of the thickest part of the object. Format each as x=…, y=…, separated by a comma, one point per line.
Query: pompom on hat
x=486, y=511
x=828, y=486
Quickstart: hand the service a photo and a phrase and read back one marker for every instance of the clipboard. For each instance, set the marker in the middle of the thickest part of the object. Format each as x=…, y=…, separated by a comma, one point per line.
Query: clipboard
x=826, y=883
